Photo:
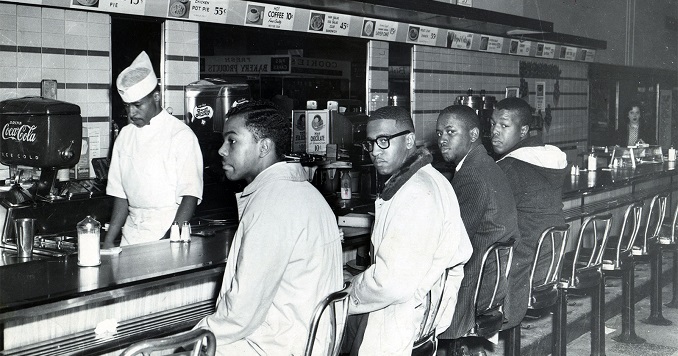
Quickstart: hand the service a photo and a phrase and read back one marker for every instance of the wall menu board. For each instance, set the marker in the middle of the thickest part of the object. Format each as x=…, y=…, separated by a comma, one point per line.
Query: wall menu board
x=277, y=17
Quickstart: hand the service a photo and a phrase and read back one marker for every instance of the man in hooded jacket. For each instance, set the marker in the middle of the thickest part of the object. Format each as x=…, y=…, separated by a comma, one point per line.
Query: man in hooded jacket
x=535, y=172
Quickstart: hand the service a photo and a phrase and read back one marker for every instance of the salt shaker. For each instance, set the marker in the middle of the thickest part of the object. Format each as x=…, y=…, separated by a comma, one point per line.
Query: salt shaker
x=174, y=232
x=89, y=253
x=186, y=232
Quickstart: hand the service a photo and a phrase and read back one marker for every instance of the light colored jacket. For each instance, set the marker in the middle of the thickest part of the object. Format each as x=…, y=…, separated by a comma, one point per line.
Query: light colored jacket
x=417, y=234
x=153, y=167
x=285, y=258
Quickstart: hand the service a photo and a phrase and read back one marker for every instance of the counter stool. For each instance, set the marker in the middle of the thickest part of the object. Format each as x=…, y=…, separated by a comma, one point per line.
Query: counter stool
x=490, y=314
x=544, y=292
x=427, y=343
x=655, y=219
x=203, y=340
x=582, y=270
x=671, y=244
x=618, y=261
x=337, y=304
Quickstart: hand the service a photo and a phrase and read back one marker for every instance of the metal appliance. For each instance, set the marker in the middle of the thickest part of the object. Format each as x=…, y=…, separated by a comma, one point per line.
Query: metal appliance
x=46, y=134
x=484, y=106
x=206, y=104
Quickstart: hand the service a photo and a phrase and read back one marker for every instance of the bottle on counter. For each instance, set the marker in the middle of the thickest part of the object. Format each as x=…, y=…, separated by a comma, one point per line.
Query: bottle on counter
x=89, y=253
x=592, y=164
x=672, y=154
x=174, y=232
x=345, y=185
x=185, y=232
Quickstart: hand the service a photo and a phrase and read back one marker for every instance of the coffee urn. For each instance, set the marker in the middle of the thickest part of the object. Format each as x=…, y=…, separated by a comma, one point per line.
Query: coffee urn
x=484, y=106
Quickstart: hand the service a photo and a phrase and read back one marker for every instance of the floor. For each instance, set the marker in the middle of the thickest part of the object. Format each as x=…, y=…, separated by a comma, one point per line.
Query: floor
x=661, y=340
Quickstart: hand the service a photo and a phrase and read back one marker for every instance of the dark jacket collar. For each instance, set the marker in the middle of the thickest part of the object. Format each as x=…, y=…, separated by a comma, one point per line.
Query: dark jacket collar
x=419, y=159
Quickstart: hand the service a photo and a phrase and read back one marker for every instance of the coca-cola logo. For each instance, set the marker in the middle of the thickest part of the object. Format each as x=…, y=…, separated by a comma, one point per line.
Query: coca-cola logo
x=21, y=132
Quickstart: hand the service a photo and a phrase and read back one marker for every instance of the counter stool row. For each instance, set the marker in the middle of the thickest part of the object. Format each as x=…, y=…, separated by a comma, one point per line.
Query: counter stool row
x=583, y=269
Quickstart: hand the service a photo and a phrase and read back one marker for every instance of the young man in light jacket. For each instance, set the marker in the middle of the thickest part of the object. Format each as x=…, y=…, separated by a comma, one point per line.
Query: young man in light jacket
x=418, y=233
x=286, y=254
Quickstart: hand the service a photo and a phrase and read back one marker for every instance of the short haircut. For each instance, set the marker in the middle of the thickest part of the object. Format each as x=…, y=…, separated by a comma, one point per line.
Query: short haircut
x=630, y=107
x=519, y=107
x=400, y=115
x=265, y=120
x=464, y=114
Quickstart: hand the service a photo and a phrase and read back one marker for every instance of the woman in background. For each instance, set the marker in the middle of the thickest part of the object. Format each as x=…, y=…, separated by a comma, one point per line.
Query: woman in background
x=634, y=130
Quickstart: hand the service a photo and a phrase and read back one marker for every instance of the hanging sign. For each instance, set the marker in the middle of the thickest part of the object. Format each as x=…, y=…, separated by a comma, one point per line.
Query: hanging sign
x=379, y=29
x=546, y=50
x=540, y=98
x=491, y=44
x=329, y=23
x=270, y=16
x=422, y=35
x=459, y=39
x=208, y=10
x=246, y=65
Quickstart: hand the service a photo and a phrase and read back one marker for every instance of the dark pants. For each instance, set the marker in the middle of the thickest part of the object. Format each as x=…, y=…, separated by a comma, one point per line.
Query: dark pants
x=353, y=335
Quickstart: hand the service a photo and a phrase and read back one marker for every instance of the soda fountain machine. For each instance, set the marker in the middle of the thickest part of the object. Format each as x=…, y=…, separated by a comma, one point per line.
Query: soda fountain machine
x=46, y=134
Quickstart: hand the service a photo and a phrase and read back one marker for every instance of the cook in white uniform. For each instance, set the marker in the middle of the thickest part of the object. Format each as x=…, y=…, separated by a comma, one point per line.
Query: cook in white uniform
x=156, y=165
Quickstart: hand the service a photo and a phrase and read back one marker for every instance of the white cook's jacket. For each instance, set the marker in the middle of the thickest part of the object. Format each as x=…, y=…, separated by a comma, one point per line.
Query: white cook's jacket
x=417, y=234
x=153, y=167
x=285, y=258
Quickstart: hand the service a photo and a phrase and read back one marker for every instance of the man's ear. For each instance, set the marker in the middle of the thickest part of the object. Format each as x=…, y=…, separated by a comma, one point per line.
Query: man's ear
x=475, y=133
x=156, y=96
x=410, y=140
x=524, y=130
x=266, y=146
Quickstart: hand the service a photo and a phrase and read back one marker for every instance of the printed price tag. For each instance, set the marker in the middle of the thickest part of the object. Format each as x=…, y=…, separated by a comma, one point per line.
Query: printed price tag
x=379, y=29
x=459, y=39
x=587, y=55
x=270, y=16
x=422, y=35
x=208, y=10
x=132, y=7
x=329, y=23
x=491, y=44
x=568, y=53
x=546, y=50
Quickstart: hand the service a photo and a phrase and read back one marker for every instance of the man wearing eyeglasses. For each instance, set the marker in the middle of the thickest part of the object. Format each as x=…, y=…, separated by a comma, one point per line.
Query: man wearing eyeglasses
x=418, y=234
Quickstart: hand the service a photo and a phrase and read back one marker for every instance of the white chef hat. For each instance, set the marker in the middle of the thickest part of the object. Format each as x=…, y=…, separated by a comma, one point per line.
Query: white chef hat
x=137, y=80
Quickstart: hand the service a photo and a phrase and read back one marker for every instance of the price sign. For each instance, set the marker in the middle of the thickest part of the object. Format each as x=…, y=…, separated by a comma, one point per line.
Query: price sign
x=132, y=7
x=588, y=54
x=459, y=39
x=270, y=16
x=546, y=50
x=379, y=29
x=422, y=35
x=568, y=53
x=208, y=10
x=524, y=48
x=329, y=23
x=491, y=44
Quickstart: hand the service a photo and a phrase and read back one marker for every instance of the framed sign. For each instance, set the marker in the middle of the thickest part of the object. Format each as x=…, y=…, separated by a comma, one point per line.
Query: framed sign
x=48, y=89
x=512, y=92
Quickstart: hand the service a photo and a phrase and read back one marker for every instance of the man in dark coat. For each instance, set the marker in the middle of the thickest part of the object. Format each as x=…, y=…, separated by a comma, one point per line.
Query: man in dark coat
x=485, y=201
x=535, y=172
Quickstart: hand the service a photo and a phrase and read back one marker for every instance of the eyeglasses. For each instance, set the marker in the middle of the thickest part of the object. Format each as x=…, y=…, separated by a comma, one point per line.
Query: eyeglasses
x=382, y=142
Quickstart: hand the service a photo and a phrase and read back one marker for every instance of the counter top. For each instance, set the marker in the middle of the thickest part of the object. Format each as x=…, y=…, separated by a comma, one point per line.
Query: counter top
x=45, y=281
x=604, y=178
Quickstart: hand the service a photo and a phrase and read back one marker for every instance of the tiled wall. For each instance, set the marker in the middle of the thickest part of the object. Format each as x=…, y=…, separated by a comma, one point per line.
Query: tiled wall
x=71, y=47
x=181, y=65
x=440, y=75
x=377, y=75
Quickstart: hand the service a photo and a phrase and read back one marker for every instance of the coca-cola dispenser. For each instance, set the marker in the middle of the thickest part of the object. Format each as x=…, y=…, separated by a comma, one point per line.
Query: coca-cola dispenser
x=46, y=134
